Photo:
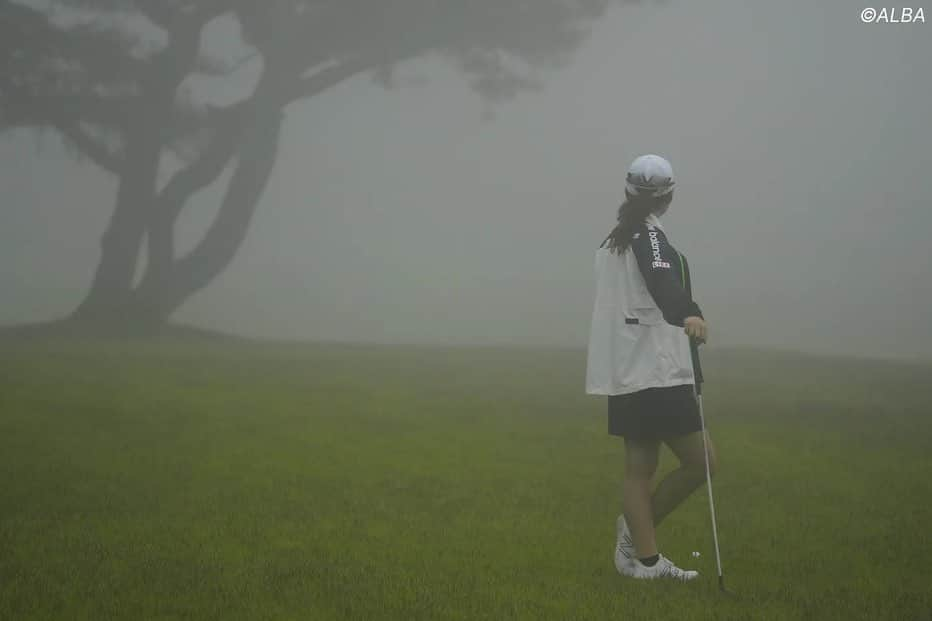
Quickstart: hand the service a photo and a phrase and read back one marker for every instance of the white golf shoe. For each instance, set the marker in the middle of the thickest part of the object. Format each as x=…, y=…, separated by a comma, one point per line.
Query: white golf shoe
x=663, y=569
x=624, y=545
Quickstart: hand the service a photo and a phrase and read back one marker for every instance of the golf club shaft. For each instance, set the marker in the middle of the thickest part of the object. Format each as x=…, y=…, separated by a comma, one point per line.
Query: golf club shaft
x=708, y=478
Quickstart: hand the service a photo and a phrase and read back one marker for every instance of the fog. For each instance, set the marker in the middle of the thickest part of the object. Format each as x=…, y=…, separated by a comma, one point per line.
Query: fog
x=423, y=213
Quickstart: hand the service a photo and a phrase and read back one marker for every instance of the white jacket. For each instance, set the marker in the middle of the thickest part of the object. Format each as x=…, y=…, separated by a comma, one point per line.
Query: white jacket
x=631, y=346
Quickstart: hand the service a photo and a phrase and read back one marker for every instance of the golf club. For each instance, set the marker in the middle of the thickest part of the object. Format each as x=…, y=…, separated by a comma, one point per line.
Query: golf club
x=708, y=478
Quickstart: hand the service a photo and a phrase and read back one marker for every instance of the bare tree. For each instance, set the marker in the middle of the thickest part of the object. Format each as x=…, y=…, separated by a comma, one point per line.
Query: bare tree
x=106, y=75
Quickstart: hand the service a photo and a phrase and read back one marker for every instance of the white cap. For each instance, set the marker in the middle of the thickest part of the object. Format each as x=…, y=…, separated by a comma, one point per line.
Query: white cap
x=650, y=175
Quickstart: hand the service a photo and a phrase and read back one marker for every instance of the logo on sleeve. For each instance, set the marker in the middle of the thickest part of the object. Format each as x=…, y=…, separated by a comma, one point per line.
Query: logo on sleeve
x=655, y=247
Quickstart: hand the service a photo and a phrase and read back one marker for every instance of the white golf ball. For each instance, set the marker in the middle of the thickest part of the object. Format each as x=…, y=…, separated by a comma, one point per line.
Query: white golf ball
x=696, y=555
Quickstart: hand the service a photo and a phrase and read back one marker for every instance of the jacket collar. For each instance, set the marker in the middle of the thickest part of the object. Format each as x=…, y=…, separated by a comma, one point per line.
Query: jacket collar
x=652, y=219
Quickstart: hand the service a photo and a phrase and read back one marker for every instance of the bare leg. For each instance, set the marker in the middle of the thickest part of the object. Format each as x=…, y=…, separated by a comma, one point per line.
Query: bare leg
x=679, y=484
x=641, y=461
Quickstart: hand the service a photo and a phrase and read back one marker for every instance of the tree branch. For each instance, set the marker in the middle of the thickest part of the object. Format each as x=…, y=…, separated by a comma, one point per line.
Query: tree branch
x=327, y=78
x=201, y=173
x=213, y=254
x=175, y=194
x=167, y=17
x=31, y=43
x=257, y=154
x=88, y=146
x=24, y=110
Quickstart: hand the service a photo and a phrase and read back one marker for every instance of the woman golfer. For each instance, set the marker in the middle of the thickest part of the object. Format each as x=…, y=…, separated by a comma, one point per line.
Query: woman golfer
x=643, y=355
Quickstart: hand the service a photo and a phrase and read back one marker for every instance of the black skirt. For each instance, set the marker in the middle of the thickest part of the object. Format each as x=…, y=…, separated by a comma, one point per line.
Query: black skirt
x=654, y=414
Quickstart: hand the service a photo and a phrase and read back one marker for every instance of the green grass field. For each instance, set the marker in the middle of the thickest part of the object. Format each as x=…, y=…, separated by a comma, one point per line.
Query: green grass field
x=235, y=481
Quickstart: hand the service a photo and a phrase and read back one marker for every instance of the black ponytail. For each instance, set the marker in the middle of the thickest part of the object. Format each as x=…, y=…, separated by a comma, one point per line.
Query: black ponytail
x=632, y=213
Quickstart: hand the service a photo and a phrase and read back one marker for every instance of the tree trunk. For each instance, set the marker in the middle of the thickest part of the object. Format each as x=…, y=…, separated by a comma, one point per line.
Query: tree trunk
x=111, y=300
x=163, y=291
x=111, y=291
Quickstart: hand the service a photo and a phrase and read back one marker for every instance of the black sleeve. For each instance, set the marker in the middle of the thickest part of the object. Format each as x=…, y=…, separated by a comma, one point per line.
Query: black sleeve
x=660, y=266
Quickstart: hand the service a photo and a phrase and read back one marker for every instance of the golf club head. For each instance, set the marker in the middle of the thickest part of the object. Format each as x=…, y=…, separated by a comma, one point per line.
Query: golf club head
x=722, y=589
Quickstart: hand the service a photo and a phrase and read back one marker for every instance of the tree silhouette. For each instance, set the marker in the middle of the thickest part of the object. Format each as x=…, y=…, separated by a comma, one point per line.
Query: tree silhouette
x=108, y=75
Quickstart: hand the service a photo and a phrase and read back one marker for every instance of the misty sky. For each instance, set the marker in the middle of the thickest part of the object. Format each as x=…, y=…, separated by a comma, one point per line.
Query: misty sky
x=800, y=136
